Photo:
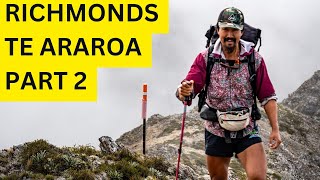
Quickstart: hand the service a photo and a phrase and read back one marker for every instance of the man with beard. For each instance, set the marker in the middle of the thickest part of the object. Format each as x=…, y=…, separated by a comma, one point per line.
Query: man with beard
x=228, y=91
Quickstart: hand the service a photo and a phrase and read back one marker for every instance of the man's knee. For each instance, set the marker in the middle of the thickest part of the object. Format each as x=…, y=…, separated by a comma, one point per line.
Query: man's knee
x=218, y=173
x=218, y=167
x=219, y=177
x=256, y=175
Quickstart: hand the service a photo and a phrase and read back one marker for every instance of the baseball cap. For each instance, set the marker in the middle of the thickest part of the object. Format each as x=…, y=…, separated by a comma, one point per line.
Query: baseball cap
x=231, y=17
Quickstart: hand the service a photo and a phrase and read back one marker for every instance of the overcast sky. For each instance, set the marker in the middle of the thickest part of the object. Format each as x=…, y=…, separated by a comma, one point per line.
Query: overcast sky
x=290, y=43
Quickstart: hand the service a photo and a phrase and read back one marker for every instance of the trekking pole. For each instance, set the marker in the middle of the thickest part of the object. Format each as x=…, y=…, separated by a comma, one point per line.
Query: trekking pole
x=144, y=115
x=185, y=103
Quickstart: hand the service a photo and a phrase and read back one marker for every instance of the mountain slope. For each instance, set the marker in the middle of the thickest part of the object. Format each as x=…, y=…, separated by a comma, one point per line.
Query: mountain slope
x=306, y=99
x=297, y=158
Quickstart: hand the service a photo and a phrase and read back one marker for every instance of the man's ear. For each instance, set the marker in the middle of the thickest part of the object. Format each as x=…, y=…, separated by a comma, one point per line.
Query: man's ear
x=242, y=32
x=217, y=29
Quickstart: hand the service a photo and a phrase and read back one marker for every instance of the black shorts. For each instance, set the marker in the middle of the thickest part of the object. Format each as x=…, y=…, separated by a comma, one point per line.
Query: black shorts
x=217, y=146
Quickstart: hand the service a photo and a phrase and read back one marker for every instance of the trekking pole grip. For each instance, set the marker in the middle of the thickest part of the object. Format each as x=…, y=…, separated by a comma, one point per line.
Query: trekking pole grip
x=187, y=98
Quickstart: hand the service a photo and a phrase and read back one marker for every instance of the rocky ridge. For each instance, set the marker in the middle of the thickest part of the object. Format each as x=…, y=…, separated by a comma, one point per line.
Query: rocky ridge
x=297, y=158
x=41, y=160
x=306, y=99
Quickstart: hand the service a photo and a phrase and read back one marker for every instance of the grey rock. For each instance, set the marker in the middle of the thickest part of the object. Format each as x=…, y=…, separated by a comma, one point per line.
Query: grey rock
x=185, y=172
x=95, y=161
x=4, y=153
x=107, y=145
x=3, y=169
x=102, y=176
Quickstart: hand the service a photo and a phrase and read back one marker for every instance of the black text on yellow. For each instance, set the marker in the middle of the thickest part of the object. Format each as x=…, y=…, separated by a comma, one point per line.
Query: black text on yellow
x=45, y=81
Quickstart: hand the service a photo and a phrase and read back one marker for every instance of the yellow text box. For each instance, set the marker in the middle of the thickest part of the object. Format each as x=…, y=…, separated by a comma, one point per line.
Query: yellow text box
x=47, y=47
x=48, y=84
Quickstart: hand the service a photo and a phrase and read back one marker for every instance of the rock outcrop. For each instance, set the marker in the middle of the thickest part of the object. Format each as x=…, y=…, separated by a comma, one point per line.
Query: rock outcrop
x=306, y=99
x=107, y=145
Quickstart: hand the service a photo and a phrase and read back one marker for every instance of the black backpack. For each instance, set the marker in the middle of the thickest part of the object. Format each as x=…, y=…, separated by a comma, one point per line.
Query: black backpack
x=250, y=34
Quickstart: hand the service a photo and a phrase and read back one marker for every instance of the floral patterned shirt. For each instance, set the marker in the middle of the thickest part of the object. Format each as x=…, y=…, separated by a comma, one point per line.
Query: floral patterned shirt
x=230, y=90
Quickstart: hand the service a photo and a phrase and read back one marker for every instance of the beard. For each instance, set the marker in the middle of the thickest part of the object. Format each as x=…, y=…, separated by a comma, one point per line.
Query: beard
x=229, y=48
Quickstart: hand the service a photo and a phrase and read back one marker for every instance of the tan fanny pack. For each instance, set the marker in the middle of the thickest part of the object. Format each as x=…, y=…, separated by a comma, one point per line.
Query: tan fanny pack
x=234, y=120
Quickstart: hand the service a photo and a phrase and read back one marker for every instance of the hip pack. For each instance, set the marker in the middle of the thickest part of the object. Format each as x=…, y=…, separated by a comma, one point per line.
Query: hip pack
x=234, y=120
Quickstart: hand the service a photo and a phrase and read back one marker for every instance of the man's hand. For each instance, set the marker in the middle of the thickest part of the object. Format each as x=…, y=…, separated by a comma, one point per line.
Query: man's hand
x=274, y=139
x=185, y=89
x=272, y=113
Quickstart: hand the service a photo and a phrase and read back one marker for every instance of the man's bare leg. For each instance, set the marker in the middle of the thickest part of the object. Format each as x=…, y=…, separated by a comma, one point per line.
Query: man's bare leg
x=253, y=159
x=218, y=167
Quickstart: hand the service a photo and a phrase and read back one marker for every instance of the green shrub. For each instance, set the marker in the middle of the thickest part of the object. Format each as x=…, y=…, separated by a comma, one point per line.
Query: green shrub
x=23, y=175
x=157, y=163
x=130, y=170
x=13, y=176
x=45, y=161
x=101, y=168
x=49, y=177
x=64, y=162
x=3, y=161
x=156, y=174
x=87, y=150
x=82, y=175
x=35, y=155
x=37, y=162
x=124, y=154
x=114, y=175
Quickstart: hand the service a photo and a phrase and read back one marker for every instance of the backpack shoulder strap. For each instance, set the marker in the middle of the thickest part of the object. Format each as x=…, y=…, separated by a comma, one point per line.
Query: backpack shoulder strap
x=252, y=70
x=210, y=63
x=255, y=114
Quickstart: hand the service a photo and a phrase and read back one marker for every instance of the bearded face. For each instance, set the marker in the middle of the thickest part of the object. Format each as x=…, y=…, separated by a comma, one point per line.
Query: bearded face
x=229, y=37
